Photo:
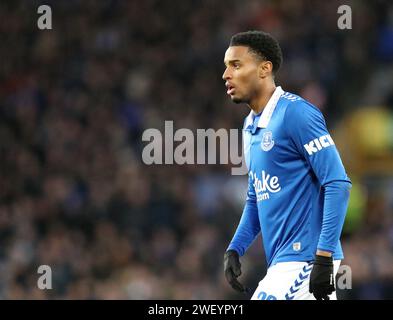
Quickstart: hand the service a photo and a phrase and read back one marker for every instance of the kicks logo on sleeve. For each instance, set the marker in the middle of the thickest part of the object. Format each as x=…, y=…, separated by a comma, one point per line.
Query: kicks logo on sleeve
x=318, y=144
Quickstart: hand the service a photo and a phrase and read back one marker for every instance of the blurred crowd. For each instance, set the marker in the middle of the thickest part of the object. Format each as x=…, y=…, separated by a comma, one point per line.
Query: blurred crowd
x=74, y=101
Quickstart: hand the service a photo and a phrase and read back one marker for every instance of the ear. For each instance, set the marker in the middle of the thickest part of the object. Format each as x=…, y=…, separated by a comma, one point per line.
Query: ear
x=265, y=69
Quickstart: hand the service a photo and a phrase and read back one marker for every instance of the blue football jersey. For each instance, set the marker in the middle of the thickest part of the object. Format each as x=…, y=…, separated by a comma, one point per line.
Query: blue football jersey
x=291, y=158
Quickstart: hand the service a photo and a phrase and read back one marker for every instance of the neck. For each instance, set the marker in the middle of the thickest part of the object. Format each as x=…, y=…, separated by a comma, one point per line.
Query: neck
x=260, y=101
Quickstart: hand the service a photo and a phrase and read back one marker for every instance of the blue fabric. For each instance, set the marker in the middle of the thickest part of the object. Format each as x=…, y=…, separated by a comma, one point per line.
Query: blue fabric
x=298, y=189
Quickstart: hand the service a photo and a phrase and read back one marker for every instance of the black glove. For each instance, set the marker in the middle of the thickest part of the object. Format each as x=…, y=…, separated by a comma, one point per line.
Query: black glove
x=322, y=278
x=232, y=270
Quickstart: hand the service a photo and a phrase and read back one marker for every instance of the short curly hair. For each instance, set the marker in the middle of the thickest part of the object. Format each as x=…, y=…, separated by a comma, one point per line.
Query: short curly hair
x=262, y=44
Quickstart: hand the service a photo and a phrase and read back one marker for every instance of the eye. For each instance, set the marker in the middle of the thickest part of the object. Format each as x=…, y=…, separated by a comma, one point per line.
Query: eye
x=236, y=65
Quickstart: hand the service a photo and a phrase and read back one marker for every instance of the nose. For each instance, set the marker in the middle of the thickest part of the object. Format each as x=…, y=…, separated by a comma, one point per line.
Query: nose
x=226, y=75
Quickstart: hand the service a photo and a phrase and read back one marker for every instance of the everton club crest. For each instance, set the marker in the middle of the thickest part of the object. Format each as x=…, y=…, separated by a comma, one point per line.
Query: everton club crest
x=267, y=141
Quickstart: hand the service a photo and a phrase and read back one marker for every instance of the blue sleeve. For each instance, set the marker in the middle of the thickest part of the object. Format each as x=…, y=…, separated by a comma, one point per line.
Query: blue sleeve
x=334, y=210
x=307, y=129
x=249, y=226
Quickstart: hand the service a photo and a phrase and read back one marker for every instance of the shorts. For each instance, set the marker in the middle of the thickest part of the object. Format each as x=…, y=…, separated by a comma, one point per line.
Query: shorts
x=289, y=281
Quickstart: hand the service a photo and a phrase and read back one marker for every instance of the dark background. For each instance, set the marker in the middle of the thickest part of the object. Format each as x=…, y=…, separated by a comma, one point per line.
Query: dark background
x=75, y=100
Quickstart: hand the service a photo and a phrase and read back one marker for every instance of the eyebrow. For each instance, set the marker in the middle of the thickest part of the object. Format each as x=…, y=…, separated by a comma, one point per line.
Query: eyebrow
x=231, y=61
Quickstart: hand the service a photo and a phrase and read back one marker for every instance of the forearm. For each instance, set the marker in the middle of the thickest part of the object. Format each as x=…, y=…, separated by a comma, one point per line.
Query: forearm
x=247, y=229
x=324, y=253
x=335, y=207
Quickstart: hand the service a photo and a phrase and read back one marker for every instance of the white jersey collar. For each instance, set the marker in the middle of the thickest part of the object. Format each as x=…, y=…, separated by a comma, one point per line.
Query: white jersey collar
x=270, y=106
x=267, y=111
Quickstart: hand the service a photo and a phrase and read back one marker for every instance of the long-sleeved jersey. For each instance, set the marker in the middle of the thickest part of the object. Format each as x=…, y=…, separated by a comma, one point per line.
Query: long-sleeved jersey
x=298, y=189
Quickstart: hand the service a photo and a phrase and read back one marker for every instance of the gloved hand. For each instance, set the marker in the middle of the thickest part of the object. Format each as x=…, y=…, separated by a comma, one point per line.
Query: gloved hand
x=232, y=269
x=322, y=277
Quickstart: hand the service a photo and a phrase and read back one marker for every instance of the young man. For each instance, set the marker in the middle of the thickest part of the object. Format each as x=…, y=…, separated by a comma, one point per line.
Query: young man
x=298, y=189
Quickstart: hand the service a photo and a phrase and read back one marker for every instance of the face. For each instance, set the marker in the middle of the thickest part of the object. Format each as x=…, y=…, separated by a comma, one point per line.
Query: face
x=241, y=74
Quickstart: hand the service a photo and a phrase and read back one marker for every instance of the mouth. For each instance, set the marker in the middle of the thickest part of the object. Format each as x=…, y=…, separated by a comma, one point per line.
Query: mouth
x=230, y=89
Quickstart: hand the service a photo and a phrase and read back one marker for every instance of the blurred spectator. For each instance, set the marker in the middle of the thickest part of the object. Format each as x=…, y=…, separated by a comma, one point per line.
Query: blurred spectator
x=74, y=101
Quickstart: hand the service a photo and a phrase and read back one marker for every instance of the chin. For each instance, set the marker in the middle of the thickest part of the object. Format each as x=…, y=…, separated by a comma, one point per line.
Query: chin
x=237, y=100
